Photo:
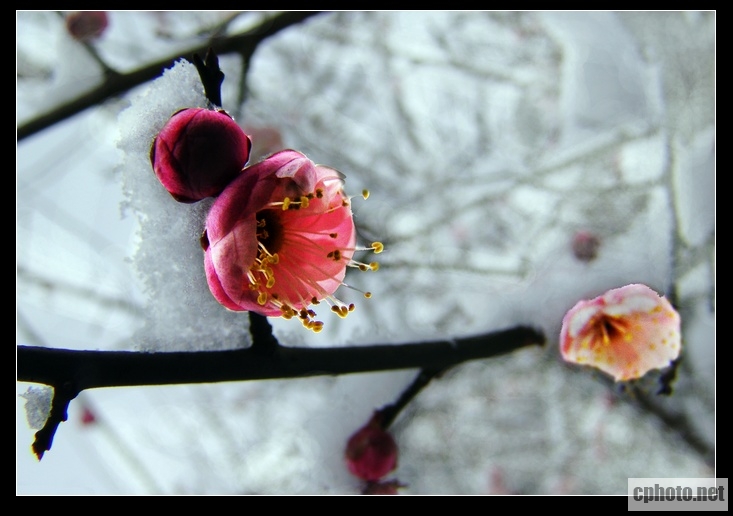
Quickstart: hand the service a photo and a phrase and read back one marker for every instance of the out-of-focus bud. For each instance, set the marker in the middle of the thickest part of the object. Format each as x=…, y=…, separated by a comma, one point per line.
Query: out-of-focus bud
x=585, y=246
x=87, y=25
x=198, y=153
x=87, y=416
x=371, y=452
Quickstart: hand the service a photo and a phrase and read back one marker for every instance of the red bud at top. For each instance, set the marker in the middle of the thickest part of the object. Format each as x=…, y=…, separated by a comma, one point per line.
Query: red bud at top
x=86, y=25
x=198, y=153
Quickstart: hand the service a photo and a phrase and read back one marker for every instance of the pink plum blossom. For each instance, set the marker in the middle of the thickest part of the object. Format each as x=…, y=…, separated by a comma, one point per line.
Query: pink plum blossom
x=279, y=239
x=371, y=452
x=198, y=153
x=625, y=332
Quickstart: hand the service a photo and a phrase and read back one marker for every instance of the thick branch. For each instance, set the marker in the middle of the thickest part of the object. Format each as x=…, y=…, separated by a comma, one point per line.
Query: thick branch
x=93, y=369
x=115, y=84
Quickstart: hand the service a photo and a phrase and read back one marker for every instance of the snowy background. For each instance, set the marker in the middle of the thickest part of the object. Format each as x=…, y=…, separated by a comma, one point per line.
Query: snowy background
x=488, y=140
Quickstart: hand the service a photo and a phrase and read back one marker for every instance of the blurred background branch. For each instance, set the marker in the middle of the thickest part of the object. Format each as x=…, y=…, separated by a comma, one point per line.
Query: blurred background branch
x=116, y=83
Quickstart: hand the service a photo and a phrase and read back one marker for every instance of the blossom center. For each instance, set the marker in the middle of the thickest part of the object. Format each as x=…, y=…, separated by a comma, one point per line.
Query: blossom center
x=269, y=231
x=608, y=329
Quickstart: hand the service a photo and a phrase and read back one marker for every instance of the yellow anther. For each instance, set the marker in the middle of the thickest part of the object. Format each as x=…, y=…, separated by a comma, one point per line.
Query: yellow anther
x=286, y=203
x=377, y=247
x=270, y=282
x=365, y=194
x=262, y=298
x=274, y=259
x=304, y=202
x=287, y=311
x=374, y=266
x=367, y=295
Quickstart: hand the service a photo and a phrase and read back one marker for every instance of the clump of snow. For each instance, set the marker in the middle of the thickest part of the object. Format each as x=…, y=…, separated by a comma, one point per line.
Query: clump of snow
x=181, y=313
x=37, y=405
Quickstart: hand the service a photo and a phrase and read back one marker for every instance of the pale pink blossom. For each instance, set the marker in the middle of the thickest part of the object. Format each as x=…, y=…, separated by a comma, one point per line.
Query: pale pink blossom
x=279, y=239
x=625, y=332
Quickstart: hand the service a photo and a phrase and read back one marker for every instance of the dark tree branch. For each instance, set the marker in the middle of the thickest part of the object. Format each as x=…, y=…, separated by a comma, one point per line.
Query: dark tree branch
x=263, y=341
x=211, y=76
x=62, y=396
x=116, y=84
x=71, y=371
x=95, y=369
x=389, y=413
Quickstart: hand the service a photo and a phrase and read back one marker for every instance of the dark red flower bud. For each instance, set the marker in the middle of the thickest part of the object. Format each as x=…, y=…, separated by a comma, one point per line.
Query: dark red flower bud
x=371, y=452
x=86, y=25
x=198, y=153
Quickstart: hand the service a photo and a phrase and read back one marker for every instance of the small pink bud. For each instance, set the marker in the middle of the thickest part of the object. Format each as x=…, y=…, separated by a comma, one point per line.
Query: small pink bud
x=198, y=153
x=86, y=25
x=371, y=452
